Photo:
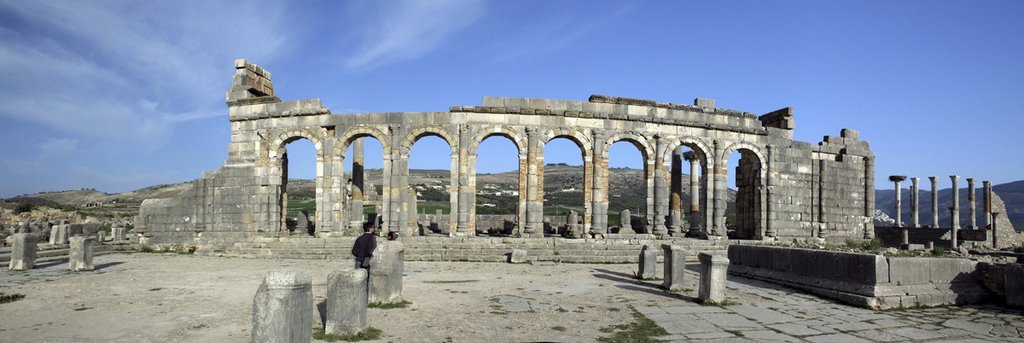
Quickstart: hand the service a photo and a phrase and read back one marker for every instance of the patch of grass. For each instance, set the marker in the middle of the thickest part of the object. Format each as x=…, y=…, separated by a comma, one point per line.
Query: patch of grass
x=642, y=329
x=146, y=249
x=874, y=244
x=939, y=251
x=388, y=306
x=8, y=298
x=370, y=333
x=451, y=281
x=718, y=303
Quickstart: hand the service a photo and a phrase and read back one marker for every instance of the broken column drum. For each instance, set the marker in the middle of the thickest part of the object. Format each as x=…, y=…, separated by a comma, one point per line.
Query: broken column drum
x=346, y=302
x=675, y=266
x=23, y=252
x=386, y=269
x=713, y=272
x=282, y=310
x=80, y=254
x=648, y=262
x=247, y=196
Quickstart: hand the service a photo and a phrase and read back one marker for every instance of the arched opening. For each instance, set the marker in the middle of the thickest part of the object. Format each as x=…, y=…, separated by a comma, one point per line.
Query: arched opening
x=299, y=192
x=430, y=186
x=628, y=188
x=362, y=198
x=563, y=184
x=744, y=214
x=497, y=186
x=690, y=211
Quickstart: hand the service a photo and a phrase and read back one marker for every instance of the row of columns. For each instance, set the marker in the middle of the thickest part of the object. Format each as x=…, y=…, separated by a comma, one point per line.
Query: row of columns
x=954, y=210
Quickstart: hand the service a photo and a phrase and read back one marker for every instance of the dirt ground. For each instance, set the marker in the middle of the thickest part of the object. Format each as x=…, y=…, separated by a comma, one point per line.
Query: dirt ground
x=186, y=298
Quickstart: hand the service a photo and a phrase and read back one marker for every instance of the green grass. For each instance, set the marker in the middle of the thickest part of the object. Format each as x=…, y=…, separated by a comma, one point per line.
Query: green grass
x=8, y=298
x=642, y=329
x=294, y=206
x=370, y=333
x=864, y=245
x=430, y=209
x=388, y=306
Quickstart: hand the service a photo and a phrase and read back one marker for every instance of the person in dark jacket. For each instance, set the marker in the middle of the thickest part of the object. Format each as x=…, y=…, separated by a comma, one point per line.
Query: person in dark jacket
x=363, y=249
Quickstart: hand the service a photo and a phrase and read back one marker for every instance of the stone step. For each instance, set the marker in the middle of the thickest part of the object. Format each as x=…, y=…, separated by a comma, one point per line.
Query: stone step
x=49, y=253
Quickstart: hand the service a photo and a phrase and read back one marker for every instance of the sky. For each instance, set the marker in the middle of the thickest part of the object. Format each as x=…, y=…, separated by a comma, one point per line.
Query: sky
x=119, y=95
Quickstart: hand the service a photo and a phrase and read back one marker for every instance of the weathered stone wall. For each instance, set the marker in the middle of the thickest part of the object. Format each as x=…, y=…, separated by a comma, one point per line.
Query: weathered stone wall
x=789, y=188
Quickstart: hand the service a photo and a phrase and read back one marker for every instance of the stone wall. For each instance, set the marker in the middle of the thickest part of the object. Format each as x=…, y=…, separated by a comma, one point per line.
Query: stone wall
x=867, y=280
x=789, y=189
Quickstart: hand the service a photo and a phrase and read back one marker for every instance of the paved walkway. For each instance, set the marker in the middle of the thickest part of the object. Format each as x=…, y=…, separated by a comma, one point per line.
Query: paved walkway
x=773, y=313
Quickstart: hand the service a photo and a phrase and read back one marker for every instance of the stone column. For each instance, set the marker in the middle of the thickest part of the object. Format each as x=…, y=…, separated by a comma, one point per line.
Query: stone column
x=535, y=184
x=466, y=187
x=675, y=265
x=869, y=197
x=694, y=215
x=386, y=268
x=599, y=200
x=987, y=205
x=23, y=252
x=720, y=177
x=995, y=231
x=661, y=210
x=80, y=256
x=955, y=214
x=915, y=197
x=972, y=204
x=713, y=271
x=675, y=202
x=935, y=201
x=953, y=231
x=358, y=177
x=282, y=310
x=53, y=234
x=896, y=179
x=346, y=302
x=648, y=262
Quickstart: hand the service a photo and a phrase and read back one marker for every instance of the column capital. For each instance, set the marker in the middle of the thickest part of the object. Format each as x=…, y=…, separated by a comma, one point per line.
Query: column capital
x=897, y=178
x=986, y=183
x=970, y=180
x=690, y=156
x=955, y=178
x=932, y=178
x=915, y=180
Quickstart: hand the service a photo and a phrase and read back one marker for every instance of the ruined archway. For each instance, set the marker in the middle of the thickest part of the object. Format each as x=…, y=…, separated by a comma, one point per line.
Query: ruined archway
x=747, y=176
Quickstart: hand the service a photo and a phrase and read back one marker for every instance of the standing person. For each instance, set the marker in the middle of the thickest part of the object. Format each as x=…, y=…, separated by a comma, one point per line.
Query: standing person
x=363, y=249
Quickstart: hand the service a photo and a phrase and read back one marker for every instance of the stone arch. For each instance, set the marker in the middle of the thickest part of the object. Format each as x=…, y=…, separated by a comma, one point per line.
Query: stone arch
x=497, y=130
x=283, y=138
x=639, y=141
x=576, y=136
x=647, y=154
x=420, y=132
x=345, y=138
x=706, y=197
x=751, y=196
x=699, y=146
x=584, y=142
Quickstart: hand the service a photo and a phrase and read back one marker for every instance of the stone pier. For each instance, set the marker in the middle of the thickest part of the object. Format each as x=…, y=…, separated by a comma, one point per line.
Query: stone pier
x=386, y=269
x=80, y=255
x=713, y=272
x=23, y=252
x=282, y=310
x=648, y=262
x=675, y=265
x=896, y=179
x=346, y=302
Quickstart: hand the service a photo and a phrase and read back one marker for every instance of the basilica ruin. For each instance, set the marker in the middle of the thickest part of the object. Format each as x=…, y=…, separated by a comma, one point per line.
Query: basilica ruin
x=786, y=189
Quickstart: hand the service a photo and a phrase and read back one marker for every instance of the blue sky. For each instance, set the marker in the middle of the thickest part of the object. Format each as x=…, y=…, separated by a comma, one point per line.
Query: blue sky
x=117, y=95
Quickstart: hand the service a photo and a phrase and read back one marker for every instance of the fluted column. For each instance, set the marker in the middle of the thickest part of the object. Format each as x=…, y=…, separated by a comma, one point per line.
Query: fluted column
x=466, y=187
x=935, y=201
x=599, y=200
x=915, y=197
x=896, y=179
x=972, y=206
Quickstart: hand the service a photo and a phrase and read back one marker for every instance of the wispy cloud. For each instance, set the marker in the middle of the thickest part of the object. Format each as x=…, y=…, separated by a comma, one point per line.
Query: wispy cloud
x=126, y=71
x=402, y=30
x=57, y=146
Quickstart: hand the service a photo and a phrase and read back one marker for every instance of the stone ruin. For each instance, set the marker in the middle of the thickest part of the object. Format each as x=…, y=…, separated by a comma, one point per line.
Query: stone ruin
x=786, y=189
